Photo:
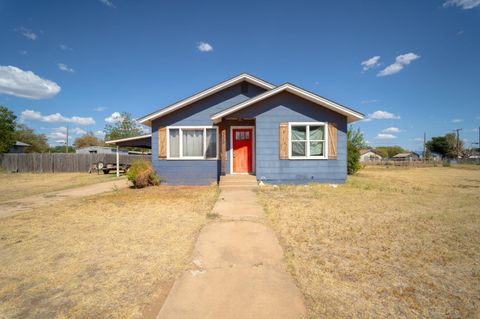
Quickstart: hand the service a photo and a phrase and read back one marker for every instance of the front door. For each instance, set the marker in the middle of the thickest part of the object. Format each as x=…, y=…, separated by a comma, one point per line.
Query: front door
x=242, y=150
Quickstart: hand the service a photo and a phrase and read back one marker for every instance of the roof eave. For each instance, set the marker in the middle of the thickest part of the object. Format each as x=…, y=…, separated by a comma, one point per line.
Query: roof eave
x=147, y=120
x=352, y=116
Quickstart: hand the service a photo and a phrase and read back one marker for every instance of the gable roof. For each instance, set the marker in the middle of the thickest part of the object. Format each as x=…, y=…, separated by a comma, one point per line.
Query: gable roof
x=407, y=154
x=287, y=87
x=367, y=150
x=147, y=120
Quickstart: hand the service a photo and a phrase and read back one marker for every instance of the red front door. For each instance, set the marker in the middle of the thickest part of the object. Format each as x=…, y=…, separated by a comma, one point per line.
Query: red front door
x=242, y=150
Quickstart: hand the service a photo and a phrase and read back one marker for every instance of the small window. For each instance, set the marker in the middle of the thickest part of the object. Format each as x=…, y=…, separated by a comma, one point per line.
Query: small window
x=307, y=140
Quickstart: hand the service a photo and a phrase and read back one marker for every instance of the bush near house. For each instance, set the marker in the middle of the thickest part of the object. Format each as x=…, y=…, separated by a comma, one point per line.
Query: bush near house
x=142, y=174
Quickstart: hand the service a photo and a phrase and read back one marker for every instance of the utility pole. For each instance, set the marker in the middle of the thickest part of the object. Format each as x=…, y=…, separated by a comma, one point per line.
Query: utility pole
x=66, y=144
x=458, y=141
x=424, y=145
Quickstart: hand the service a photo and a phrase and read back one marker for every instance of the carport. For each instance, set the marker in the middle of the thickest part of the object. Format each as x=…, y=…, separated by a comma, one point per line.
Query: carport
x=142, y=141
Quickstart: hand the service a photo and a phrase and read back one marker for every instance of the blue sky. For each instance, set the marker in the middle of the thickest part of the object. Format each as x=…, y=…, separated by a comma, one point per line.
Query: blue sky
x=86, y=60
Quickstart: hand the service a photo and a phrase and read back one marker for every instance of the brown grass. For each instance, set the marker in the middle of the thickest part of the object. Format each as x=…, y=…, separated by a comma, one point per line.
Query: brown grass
x=18, y=185
x=107, y=256
x=389, y=243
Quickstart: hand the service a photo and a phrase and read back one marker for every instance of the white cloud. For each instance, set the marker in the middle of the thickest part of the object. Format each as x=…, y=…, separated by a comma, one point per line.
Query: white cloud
x=391, y=129
x=100, y=134
x=23, y=52
x=65, y=47
x=464, y=4
x=383, y=115
x=100, y=109
x=79, y=131
x=15, y=81
x=114, y=118
x=382, y=136
x=370, y=101
x=55, y=118
x=28, y=33
x=370, y=63
x=400, y=62
x=65, y=68
x=204, y=47
x=457, y=120
x=108, y=3
x=418, y=139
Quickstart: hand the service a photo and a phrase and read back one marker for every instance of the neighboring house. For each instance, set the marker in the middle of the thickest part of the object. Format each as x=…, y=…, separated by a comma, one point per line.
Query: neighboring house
x=245, y=125
x=369, y=155
x=435, y=156
x=18, y=147
x=408, y=156
x=99, y=150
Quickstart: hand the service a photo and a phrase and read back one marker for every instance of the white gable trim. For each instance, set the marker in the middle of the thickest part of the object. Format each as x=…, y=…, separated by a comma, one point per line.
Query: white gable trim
x=351, y=115
x=146, y=120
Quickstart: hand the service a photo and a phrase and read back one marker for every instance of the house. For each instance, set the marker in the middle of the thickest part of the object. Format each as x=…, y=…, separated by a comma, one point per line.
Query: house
x=245, y=125
x=369, y=155
x=99, y=150
x=18, y=147
x=408, y=156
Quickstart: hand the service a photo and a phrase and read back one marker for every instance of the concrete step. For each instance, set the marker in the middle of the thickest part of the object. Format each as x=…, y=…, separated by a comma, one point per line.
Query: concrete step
x=238, y=181
x=238, y=177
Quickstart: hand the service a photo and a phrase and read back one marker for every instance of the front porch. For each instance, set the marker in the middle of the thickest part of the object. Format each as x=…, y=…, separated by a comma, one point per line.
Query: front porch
x=237, y=147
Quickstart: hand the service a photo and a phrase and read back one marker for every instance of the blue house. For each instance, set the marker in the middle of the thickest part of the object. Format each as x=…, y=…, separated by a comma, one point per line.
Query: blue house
x=245, y=125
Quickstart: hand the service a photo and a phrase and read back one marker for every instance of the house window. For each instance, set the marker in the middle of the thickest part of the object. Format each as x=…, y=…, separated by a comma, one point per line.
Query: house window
x=192, y=142
x=307, y=140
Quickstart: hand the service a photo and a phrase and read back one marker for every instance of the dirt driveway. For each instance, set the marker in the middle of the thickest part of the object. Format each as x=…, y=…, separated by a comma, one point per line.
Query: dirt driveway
x=20, y=205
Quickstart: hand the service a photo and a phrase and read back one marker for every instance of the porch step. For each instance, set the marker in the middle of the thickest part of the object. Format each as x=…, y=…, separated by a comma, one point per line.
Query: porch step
x=238, y=181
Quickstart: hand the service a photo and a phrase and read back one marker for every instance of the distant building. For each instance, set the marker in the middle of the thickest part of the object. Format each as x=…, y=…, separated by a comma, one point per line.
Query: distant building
x=99, y=150
x=369, y=155
x=435, y=156
x=18, y=147
x=408, y=156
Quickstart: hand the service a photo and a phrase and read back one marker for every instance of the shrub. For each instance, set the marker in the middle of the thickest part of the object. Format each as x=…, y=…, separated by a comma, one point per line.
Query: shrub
x=354, y=143
x=446, y=163
x=142, y=174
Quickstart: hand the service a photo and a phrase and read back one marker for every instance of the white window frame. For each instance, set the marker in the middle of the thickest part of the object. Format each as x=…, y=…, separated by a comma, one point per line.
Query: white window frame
x=181, y=128
x=307, y=146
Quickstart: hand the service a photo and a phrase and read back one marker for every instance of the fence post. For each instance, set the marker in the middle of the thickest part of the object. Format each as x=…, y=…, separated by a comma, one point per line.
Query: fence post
x=118, y=162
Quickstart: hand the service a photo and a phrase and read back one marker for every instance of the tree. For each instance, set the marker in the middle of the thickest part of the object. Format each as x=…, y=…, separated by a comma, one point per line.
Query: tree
x=355, y=142
x=61, y=149
x=37, y=142
x=440, y=145
x=454, y=148
x=7, y=129
x=389, y=151
x=88, y=139
x=126, y=127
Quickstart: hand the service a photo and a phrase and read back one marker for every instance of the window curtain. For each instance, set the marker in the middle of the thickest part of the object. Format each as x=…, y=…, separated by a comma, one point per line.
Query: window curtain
x=174, y=143
x=211, y=143
x=193, y=143
x=298, y=140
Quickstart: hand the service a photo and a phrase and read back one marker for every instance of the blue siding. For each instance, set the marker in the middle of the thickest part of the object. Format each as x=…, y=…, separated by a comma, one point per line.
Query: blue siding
x=286, y=107
x=196, y=172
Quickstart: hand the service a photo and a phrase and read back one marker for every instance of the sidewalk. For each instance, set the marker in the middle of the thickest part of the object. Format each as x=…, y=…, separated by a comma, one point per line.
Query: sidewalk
x=241, y=273
x=17, y=206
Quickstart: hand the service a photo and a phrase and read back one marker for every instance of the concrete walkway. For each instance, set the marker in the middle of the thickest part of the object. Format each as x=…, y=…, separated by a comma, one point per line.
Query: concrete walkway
x=241, y=273
x=20, y=205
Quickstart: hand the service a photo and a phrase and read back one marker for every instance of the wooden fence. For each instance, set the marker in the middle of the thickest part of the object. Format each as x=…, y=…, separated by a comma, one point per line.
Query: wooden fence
x=60, y=162
x=421, y=163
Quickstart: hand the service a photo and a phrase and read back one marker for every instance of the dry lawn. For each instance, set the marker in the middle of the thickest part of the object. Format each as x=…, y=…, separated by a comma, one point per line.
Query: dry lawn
x=106, y=256
x=389, y=243
x=18, y=185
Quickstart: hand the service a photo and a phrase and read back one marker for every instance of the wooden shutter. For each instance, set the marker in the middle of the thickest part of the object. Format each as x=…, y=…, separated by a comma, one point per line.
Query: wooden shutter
x=332, y=140
x=283, y=141
x=162, y=143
